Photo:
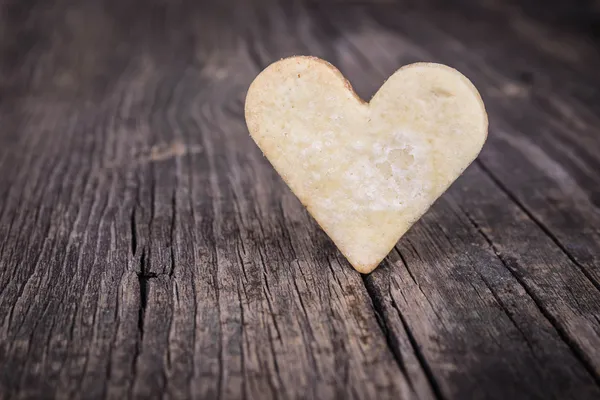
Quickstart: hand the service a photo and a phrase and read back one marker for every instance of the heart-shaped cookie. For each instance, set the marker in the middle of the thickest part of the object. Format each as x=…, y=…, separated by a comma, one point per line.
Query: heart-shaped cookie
x=365, y=171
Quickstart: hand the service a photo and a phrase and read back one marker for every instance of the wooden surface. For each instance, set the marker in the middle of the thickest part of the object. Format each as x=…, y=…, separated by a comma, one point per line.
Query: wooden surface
x=148, y=250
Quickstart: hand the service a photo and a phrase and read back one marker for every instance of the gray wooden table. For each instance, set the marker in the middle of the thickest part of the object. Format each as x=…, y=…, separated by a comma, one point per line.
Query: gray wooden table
x=148, y=250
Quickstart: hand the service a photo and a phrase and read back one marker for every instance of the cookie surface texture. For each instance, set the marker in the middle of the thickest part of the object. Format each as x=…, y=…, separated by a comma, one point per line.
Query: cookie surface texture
x=365, y=171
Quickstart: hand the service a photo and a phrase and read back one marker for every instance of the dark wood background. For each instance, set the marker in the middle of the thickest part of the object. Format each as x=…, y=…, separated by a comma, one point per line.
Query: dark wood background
x=148, y=250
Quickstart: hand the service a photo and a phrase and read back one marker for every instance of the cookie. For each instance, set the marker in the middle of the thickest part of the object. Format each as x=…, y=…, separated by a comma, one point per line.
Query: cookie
x=365, y=171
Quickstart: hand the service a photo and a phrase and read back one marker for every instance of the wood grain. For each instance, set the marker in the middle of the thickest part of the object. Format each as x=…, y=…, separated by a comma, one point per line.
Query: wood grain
x=148, y=250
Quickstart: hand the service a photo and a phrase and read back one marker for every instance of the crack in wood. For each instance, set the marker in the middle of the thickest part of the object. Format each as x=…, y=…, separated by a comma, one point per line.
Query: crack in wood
x=392, y=341
x=143, y=277
x=437, y=390
x=173, y=224
x=241, y=261
x=417, y=284
x=242, y=355
x=134, y=237
x=268, y=295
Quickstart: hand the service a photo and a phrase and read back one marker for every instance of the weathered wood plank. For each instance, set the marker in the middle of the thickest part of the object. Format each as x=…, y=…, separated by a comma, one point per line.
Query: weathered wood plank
x=148, y=250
